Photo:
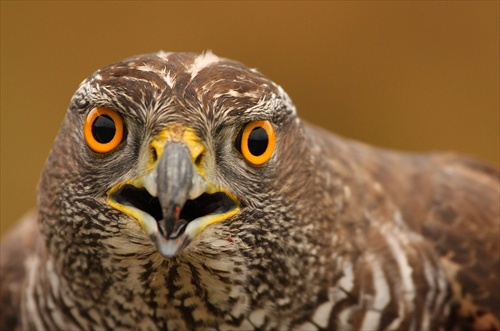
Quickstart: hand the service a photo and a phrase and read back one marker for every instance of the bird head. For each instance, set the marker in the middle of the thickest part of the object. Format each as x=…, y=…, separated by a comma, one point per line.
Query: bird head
x=173, y=144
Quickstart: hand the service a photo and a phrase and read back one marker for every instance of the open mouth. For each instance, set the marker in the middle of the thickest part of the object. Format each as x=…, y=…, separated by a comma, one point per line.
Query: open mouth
x=204, y=205
x=172, y=202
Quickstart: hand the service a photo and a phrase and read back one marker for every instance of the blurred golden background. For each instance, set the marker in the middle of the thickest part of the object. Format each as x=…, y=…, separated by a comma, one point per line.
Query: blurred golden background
x=405, y=75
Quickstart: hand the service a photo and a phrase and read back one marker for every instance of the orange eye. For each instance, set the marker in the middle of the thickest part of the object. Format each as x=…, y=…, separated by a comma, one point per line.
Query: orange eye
x=103, y=129
x=256, y=142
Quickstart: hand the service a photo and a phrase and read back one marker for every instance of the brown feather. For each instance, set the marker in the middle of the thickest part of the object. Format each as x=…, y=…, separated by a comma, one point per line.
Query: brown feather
x=332, y=233
x=453, y=201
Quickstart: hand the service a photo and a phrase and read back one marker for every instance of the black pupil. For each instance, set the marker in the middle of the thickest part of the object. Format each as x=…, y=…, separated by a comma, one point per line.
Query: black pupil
x=103, y=129
x=258, y=141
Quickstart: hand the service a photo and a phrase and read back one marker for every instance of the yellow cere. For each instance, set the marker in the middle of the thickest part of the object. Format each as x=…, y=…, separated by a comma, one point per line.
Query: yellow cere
x=179, y=133
x=157, y=144
x=196, y=148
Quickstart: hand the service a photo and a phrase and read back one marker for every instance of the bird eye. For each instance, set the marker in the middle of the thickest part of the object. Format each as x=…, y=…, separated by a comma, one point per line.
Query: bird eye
x=103, y=129
x=256, y=142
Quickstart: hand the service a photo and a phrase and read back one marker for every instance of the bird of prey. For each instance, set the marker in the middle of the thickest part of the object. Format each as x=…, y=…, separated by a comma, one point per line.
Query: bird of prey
x=183, y=192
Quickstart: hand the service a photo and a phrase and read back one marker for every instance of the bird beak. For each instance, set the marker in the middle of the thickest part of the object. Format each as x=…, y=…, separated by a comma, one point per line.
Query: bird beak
x=173, y=202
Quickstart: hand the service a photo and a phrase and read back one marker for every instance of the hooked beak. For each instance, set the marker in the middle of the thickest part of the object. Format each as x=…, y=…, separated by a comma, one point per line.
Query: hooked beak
x=173, y=203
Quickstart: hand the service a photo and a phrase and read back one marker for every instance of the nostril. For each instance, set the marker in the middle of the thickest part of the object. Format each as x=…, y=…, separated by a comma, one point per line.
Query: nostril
x=199, y=159
x=154, y=154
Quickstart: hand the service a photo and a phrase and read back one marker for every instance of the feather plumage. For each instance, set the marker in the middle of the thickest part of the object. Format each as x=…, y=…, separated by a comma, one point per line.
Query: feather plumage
x=330, y=233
